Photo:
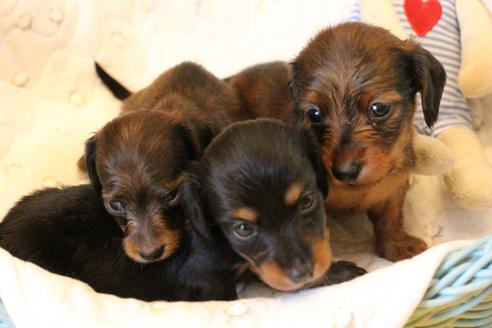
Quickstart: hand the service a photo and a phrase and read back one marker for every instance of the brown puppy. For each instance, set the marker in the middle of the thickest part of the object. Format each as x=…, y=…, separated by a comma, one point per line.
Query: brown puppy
x=187, y=92
x=356, y=85
x=138, y=160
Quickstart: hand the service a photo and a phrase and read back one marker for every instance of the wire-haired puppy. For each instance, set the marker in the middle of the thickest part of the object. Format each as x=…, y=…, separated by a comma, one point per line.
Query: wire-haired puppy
x=259, y=190
x=69, y=232
x=356, y=85
x=138, y=159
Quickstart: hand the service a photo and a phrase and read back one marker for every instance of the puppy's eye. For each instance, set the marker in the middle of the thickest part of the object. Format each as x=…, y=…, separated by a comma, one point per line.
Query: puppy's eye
x=379, y=110
x=314, y=114
x=171, y=196
x=306, y=201
x=116, y=206
x=244, y=230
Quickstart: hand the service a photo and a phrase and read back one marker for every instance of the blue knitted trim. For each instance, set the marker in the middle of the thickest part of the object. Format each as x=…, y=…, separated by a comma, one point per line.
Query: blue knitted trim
x=4, y=318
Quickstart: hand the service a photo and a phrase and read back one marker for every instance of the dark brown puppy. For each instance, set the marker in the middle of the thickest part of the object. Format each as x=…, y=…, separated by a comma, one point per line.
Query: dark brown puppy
x=187, y=91
x=138, y=160
x=259, y=191
x=356, y=85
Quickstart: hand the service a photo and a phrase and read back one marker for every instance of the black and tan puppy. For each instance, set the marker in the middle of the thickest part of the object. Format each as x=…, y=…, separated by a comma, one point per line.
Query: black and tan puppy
x=356, y=85
x=138, y=160
x=69, y=232
x=259, y=190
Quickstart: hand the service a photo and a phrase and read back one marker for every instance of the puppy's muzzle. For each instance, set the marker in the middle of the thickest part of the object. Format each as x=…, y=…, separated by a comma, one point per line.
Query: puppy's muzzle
x=347, y=163
x=346, y=171
x=300, y=271
x=152, y=254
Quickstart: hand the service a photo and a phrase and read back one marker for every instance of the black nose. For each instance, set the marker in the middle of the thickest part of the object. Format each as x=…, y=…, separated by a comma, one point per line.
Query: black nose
x=152, y=255
x=300, y=270
x=346, y=171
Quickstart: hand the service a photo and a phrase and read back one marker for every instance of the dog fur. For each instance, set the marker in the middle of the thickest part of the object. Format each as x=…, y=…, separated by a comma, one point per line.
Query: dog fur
x=341, y=83
x=139, y=159
x=264, y=173
x=259, y=191
x=69, y=232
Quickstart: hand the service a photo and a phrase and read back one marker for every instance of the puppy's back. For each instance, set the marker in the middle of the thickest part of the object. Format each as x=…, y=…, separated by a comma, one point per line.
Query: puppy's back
x=50, y=225
x=263, y=91
x=187, y=89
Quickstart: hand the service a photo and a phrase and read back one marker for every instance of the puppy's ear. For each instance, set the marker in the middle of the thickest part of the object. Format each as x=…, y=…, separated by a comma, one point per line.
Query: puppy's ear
x=294, y=83
x=292, y=73
x=196, y=136
x=90, y=161
x=312, y=149
x=430, y=78
x=192, y=204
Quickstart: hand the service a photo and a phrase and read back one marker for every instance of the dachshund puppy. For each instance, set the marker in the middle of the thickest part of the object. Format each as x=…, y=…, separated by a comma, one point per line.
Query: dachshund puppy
x=68, y=231
x=259, y=191
x=356, y=85
x=137, y=162
x=187, y=89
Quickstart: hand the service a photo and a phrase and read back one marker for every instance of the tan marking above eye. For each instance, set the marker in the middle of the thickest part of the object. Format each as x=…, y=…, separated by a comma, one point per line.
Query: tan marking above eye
x=176, y=183
x=293, y=193
x=245, y=213
x=391, y=97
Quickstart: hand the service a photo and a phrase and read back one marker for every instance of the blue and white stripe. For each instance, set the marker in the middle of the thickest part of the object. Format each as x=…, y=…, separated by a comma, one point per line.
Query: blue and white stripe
x=443, y=41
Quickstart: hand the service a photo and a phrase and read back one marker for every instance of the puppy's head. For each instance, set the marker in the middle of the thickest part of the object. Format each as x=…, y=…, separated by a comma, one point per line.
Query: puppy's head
x=356, y=85
x=137, y=162
x=262, y=184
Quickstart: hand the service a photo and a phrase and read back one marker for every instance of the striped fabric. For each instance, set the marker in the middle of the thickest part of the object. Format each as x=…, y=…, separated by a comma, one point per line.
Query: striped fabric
x=443, y=41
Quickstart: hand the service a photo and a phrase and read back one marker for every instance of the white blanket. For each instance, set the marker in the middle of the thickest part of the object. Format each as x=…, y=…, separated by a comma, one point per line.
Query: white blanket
x=51, y=101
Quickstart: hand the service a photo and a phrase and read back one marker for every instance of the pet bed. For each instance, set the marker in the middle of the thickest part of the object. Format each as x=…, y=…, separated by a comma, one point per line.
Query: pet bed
x=52, y=101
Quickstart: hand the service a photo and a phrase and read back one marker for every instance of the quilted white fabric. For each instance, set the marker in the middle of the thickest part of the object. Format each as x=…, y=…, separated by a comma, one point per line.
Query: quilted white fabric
x=51, y=101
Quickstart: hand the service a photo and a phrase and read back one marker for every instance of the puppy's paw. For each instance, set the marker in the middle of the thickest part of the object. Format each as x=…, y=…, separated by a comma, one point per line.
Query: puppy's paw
x=405, y=247
x=339, y=272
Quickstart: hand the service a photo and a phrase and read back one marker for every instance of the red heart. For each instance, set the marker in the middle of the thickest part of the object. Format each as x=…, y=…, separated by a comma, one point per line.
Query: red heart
x=422, y=14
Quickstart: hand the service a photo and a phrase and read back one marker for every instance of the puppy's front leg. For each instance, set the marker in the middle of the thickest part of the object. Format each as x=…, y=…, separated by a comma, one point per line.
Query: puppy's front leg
x=392, y=241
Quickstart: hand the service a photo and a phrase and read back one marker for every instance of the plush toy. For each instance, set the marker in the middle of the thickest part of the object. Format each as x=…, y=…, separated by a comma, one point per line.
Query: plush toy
x=459, y=34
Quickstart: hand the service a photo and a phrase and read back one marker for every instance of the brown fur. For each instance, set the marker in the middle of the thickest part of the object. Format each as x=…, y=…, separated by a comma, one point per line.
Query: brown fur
x=190, y=95
x=141, y=157
x=342, y=71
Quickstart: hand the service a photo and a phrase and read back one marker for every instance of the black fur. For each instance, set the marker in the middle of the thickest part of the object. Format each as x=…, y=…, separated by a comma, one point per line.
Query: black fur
x=116, y=88
x=68, y=231
x=252, y=164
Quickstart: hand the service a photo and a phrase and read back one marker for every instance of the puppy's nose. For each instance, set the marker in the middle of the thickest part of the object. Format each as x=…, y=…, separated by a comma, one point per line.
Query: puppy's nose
x=152, y=255
x=300, y=271
x=346, y=171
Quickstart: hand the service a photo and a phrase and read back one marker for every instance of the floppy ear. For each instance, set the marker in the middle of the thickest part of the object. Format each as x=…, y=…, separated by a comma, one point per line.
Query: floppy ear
x=192, y=204
x=90, y=161
x=430, y=78
x=312, y=148
x=196, y=136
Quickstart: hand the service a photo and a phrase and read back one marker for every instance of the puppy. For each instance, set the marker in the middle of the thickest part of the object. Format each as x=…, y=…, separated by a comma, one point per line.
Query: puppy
x=137, y=163
x=187, y=90
x=356, y=85
x=68, y=231
x=259, y=191
x=138, y=160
